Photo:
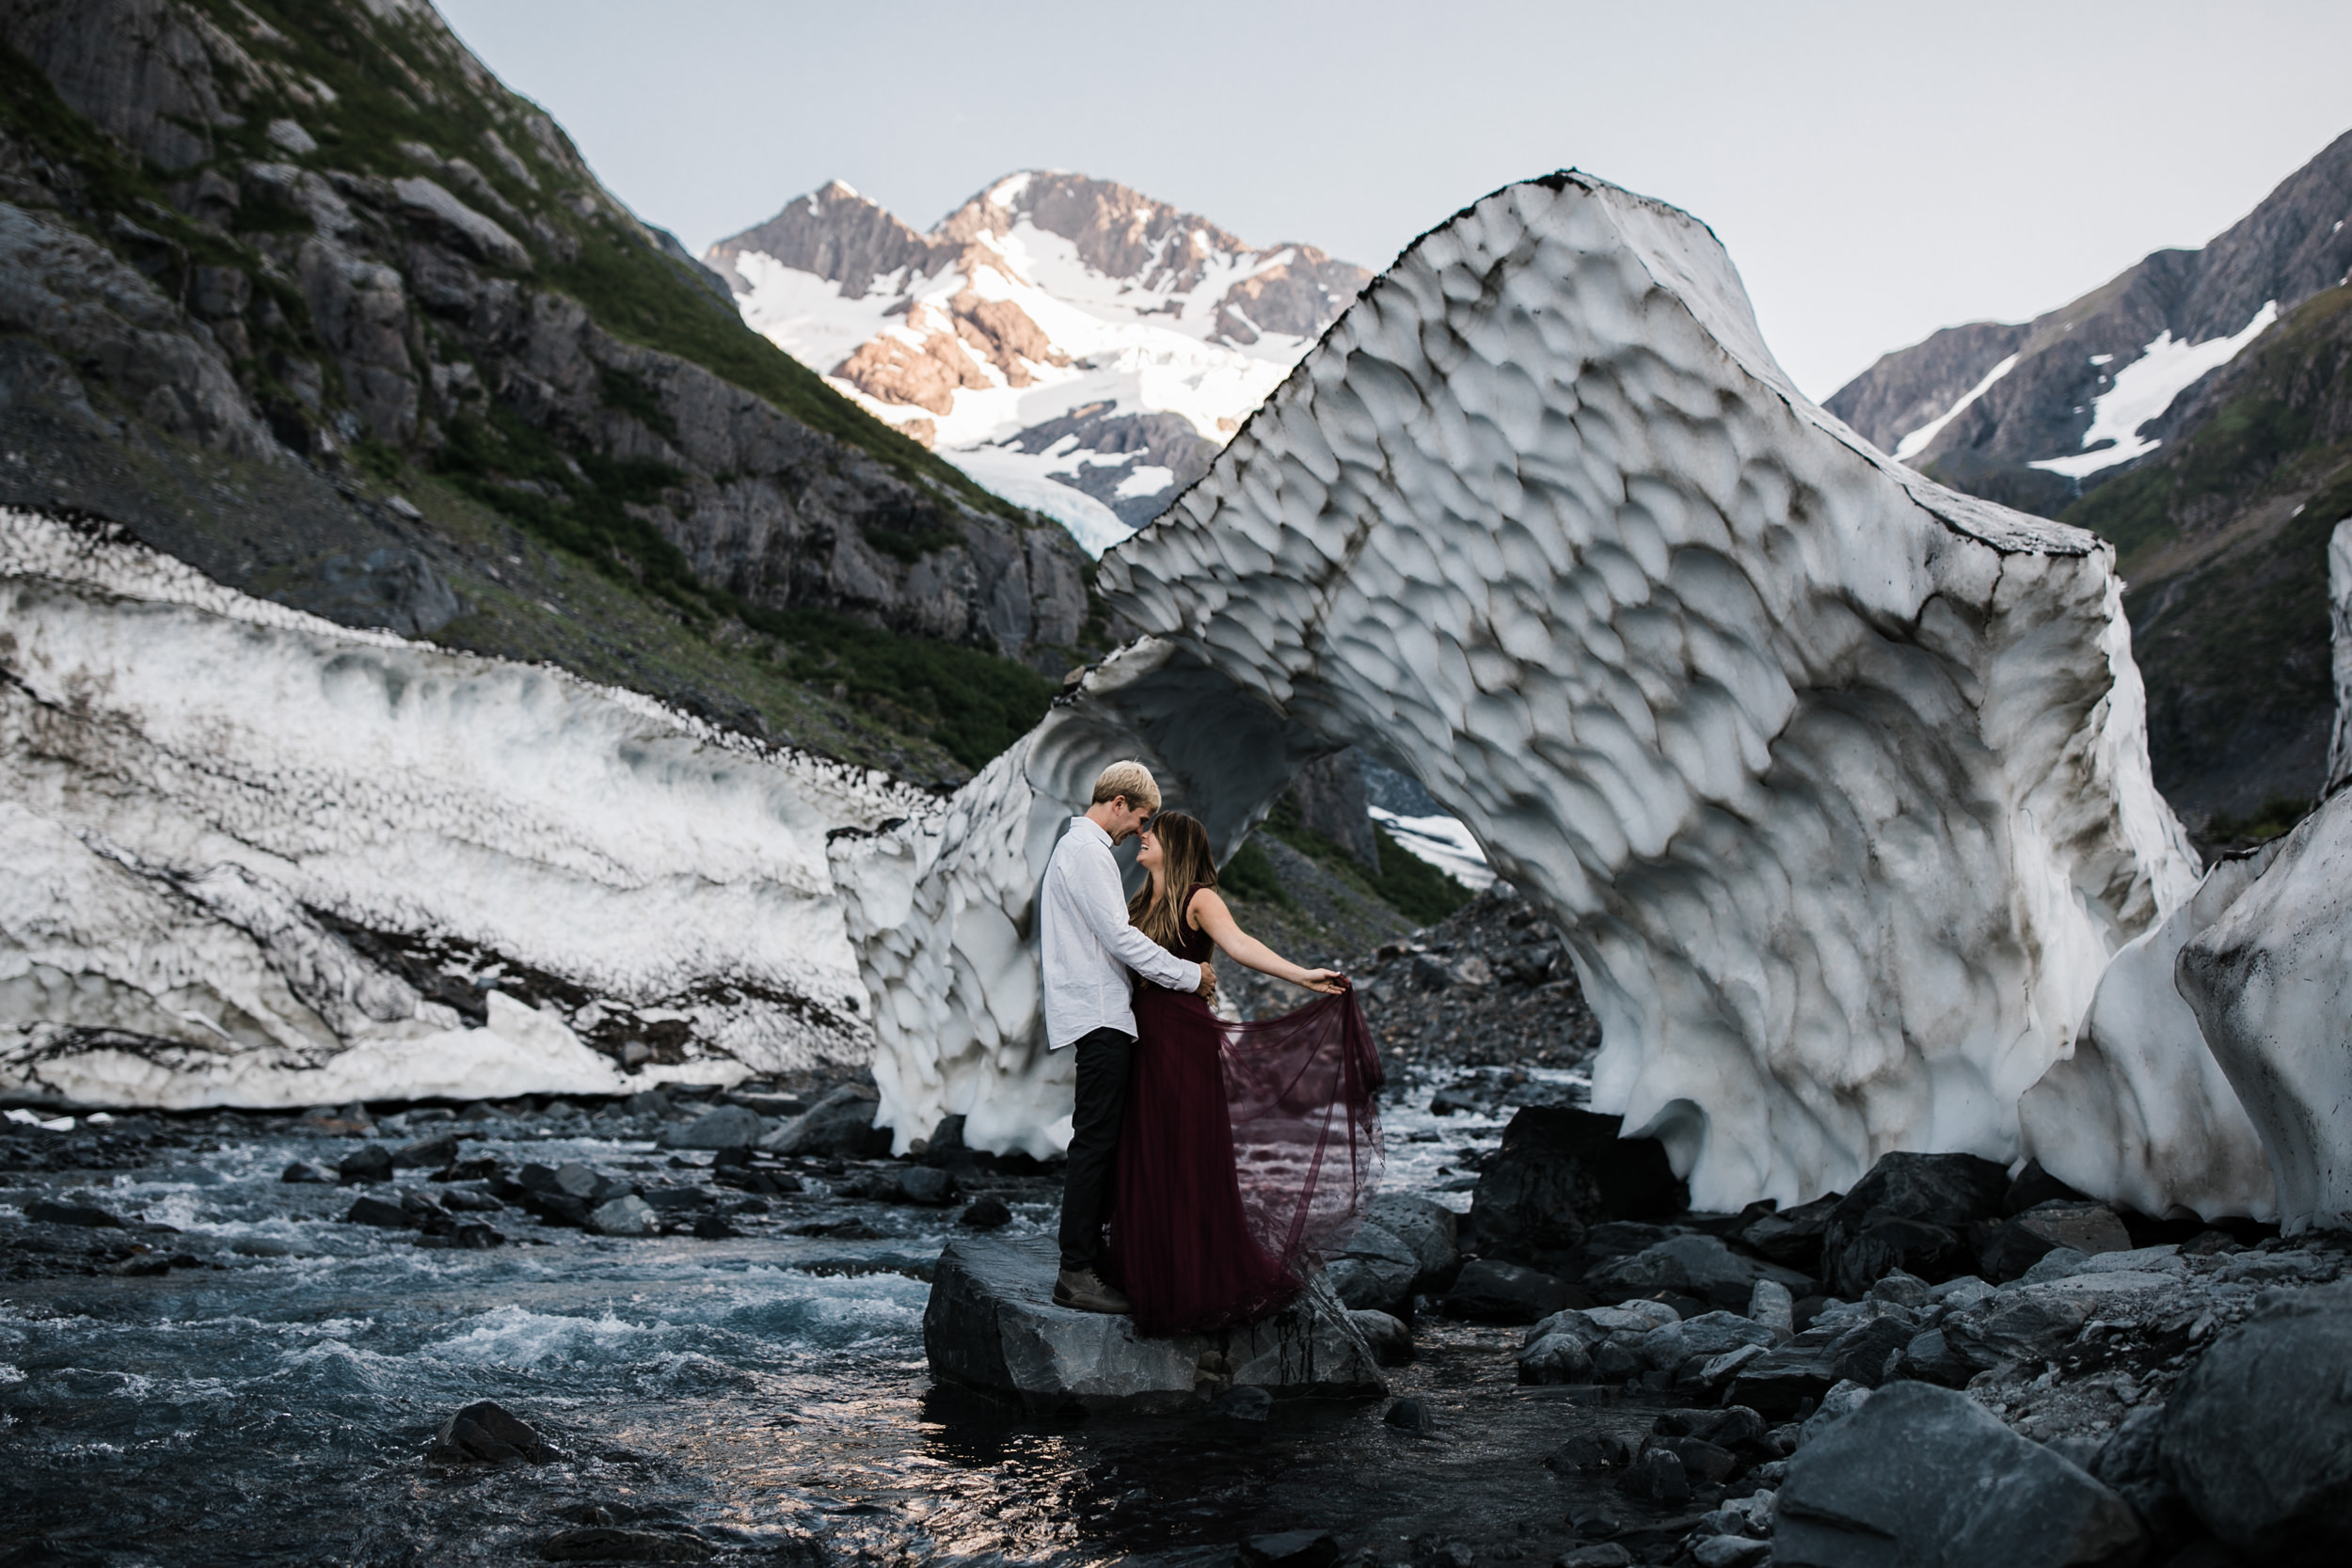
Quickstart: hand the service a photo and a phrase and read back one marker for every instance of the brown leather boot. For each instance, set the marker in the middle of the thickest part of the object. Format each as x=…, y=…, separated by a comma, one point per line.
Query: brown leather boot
x=1084, y=1289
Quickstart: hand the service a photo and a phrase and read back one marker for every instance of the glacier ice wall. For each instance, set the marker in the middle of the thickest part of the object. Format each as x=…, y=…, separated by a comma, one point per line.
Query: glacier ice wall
x=1837, y=779
x=211, y=802
x=941, y=907
x=2270, y=982
x=2140, y=1112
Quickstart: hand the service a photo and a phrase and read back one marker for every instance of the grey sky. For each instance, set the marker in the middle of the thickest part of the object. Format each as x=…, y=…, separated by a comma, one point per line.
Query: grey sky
x=1876, y=170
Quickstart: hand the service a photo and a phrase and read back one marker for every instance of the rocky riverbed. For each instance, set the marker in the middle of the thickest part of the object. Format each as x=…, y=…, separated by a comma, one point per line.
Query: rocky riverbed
x=232, y=1336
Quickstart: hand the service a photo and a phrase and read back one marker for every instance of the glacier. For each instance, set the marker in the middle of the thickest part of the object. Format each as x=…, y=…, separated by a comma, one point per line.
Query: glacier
x=1836, y=780
x=256, y=858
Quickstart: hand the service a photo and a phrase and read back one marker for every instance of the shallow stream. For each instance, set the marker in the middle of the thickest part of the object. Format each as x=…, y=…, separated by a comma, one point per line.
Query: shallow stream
x=272, y=1399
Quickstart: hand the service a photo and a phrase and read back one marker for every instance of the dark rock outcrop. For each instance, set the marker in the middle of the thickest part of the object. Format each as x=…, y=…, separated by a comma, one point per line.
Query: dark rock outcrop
x=486, y=1432
x=840, y=1126
x=1492, y=1291
x=1913, y=1212
x=1559, y=1170
x=1922, y=1475
x=992, y=1324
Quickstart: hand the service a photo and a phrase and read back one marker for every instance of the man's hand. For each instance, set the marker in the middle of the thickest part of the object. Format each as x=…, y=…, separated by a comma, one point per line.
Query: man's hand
x=1207, y=988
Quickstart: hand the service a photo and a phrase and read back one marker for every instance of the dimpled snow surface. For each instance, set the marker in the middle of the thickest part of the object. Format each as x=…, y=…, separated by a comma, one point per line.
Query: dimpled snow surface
x=273, y=1397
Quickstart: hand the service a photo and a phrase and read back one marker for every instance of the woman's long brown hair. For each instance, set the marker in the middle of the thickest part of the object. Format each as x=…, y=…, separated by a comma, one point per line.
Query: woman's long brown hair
x=1186, y=866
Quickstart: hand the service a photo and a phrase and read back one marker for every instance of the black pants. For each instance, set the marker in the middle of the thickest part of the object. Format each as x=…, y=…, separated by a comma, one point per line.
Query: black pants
x=1086, y=1193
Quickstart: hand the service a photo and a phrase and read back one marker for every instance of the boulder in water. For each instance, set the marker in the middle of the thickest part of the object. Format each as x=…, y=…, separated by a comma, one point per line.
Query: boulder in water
x=486, y=1432
x=728, y=1127
x=992, y=1324
x=841, y=1126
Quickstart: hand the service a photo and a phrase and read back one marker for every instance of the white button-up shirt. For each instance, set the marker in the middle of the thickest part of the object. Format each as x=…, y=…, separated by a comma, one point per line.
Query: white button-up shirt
x=1091, y=945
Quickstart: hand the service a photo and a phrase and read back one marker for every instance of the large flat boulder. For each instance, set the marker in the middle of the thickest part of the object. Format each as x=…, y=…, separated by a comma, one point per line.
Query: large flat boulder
x=992, y=1324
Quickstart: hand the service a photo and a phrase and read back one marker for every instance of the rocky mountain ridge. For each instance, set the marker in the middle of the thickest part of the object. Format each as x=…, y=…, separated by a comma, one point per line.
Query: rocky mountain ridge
x=1068, y=340
x=305, y=296
x=2192, y=412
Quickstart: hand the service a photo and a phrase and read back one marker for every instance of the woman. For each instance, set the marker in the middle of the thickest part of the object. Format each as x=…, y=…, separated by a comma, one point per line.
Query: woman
x=1245, y=1146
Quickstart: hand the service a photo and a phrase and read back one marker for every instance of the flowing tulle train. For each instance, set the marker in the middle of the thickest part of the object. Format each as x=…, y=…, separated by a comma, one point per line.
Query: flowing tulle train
x=1246, y=1148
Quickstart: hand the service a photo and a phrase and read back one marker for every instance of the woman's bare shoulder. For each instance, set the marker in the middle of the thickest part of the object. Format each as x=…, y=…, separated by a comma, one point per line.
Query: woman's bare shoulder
x=1205, y=901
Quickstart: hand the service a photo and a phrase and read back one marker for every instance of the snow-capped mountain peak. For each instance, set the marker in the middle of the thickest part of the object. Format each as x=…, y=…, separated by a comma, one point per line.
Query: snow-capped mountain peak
x=1074, y=344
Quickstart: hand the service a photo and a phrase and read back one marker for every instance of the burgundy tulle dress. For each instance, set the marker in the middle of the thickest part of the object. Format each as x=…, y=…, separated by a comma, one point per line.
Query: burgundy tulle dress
x=1246, y=1148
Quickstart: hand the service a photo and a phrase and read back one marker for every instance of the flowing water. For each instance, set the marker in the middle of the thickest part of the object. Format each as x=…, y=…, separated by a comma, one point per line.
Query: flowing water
x=272, y=1399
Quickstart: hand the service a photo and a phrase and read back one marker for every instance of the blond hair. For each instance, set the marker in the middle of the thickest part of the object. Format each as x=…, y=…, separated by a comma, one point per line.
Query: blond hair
x=1130, y=779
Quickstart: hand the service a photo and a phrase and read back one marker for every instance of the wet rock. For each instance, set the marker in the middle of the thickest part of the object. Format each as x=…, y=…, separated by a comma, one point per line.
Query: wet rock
x=1697, y=1266
x=1704, y=1463
x=1914, y=1212
x=1774, y=1306
x=1655, y=1475
x=1430, y=1229
x=710, y=1228
x=1296, y=1548
x=613, y=1543
x=1792, y=1237
x=1246, y=1403
x=840, y=1125
x=367, y=1165
x=486, y=1432
x=1709, y=1334
x=992, y=1324
x=1413, y=1415
x=1781, y=1382
x=1922, y=1475
x=1491, y=1292
x=1730, y=1551
x=384, y=1216
x=466, y=1200
x=1839, y=1404
x=1555, y=1358
x=927, y=1186
x=43, y=1211
x=1391, y=1342
x=2026, y=1326
x=728, y=1127
x=1601, y=1554
x=626, y=1216
x=2021, y=1242
x=1559, y=1170
x=1374, y=1269
x=427, y=1153
x=1862, y=1353
x=2257, y=1437
x=986, y=1214
x=142, y=1265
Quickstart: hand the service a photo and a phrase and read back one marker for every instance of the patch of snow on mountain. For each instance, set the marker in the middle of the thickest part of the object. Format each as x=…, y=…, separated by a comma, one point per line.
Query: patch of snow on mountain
x=2145, y=388
x=1921, y=438
x=1441, y=841
x=1027, y=479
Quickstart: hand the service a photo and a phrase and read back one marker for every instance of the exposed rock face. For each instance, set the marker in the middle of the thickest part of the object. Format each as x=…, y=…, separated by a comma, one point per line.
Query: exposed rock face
x=2339, y=622
x=992, y=1324
x=2270, y=981
x=1930, y=734
x=300, y=283
x=257, y=859
x=1144, y=334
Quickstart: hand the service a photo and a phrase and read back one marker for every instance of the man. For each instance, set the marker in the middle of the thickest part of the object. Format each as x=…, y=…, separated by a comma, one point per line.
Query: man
x=1089, y=948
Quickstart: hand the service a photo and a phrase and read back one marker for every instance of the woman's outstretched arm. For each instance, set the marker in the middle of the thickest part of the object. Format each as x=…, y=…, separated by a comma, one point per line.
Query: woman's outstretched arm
x=1210, y=914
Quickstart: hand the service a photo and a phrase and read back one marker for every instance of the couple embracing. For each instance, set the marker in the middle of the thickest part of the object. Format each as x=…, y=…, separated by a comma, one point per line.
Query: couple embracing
x=1208, y=1160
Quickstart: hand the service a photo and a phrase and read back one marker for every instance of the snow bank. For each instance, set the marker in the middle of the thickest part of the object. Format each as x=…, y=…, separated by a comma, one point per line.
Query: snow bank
x=1838, y=779
x=259, y=858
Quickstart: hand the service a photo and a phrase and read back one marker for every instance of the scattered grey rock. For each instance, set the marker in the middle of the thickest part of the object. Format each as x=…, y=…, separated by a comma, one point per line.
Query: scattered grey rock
x=1556, y=1358
x=710, y=1228
x=1391, y=1342
x=1730, y=1551
x=1780, y=1382
x=992, y=1324
x=840, y=1125
x=427, y=1153
x=1697, y=1266
x=2021, y=1242
x=1296, y=1548
x=2132, y=1462
x=2257, y=1437
x=728, y=1127
x=1772, y=1303
x=1912, y=1211
x=310, y=1173
x=43, y=1211
x=1862, y=1353
x=1413, y=1415
x=1655, y=1475
x=1792, y=1237
x=1559, y=1170
x=1244, y=1404
x=925, y=1185
x=1489, y=1291
x=1374, y=1269
x=1601, y=1554
x=466, y=1200
x=384, y=1216
x=486, y=1432
x=1430, y=1229
x=1921, y=1475
x=626, y=1216
x=367, y=1165
x=986, y=1214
